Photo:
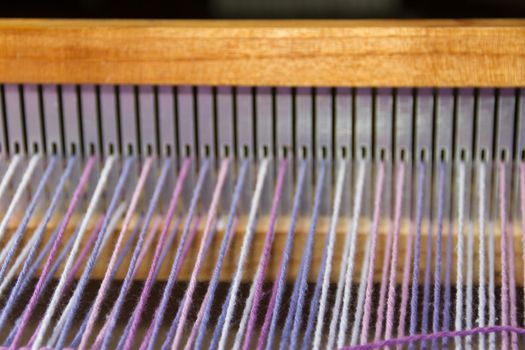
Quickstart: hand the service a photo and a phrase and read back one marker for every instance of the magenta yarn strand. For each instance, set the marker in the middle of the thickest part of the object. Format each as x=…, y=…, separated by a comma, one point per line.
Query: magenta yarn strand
x=85, y=250
x=78, y=263
x=405, y=284
x=200, y=326
x=522, y=206
x=207, y=299
x=265, y=259
x=503, y=242
x=95, y=310
x=411, y=339
x=148, y=338
x=391, y=299
x=274, y=307
x=145, y=291
x=380, y=312
x=150, y=279
x=512, y=288
x=208, y=233
x=373, y=256
x=54, y=249
x=177, y=263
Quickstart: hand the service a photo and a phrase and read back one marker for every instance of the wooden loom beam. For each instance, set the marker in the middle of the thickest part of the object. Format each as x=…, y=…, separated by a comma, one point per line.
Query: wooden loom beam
x=267, y=53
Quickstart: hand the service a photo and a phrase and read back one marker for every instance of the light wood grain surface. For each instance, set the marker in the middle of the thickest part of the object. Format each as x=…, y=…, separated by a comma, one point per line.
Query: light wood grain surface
x=298, y=53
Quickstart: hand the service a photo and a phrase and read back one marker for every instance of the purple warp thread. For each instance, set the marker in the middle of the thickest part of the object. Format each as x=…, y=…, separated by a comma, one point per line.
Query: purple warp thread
x=439, y=244
x=448, y=288
x=232, y=222
x=417, y=248
x=434, y=336
x=504, y=276
x=391, y=301
x=54, y=250
x=90, y=265
x=274, y=307
x=151, y=336
x=373, y=256
x=158, y=251
x=295, y=311
x=265, y=258
x=208, y=234
x=123, y=253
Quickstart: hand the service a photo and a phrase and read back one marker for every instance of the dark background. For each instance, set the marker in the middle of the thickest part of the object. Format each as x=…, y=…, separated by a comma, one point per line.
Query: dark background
x=264, y=8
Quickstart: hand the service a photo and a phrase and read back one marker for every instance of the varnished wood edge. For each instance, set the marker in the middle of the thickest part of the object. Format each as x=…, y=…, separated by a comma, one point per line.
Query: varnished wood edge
x=265, y=53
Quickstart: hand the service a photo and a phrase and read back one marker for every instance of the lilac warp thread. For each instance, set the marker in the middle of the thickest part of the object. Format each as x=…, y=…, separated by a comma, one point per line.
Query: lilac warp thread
x=209, y=233
x=79, y=260
x=373, y=257
x=69, y=213
x=503, y=241
x=28, y=269
x=439, y=244
x=151, y=336
x=417, y=248
x=127, y=247
x=153, y=203
x=167, y=247
x=76, y=298
x=158, y=251
x=411, y=339
x=295, y=309
x=265, y=259
x=27, y=216
x=391, y=299
x=274, y=307
x=206, y=307
x=52, y=271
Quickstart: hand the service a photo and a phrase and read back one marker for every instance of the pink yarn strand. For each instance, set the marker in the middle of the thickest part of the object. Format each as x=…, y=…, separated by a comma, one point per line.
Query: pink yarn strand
x=95, y=311
x=54, y=249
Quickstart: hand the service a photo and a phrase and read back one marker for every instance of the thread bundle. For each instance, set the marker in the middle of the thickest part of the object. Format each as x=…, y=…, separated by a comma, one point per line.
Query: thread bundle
x=130, y=253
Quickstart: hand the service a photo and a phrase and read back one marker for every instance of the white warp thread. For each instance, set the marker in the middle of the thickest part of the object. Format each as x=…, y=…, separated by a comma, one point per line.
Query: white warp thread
x=338, y=197
x=343, y=325
x=53, y=304
x=246, y=244
x=459, y=253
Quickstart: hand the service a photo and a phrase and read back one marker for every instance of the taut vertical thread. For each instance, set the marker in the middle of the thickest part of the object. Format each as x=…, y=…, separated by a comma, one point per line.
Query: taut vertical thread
x=274, y=307
x=27, y=269
x=94, y=312
x=439, y=244
x=204, y=312
x=374, y=232
x=482, y=298
x=93, y=204
x=458, y=323
x=265, y=258
x=180, y=255
x=504, y=259
x=250, y=230
x=522, y=206
x=157, y=258
x=330, y=251
x=294, y=314
x=200, y=255
x=71, y=308
x=69, y=213
x=391, y=298
x=347, y=293
x=417, y=248
x=17, y=237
